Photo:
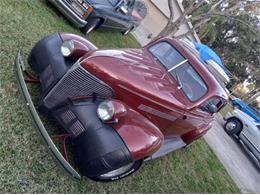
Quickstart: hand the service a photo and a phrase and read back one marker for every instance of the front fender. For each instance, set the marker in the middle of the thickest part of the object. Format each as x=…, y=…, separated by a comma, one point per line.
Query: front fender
x=140, y=135
x=88, y=45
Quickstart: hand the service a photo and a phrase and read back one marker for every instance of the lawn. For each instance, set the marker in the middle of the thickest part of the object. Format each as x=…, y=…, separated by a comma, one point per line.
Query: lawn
x=25, y=162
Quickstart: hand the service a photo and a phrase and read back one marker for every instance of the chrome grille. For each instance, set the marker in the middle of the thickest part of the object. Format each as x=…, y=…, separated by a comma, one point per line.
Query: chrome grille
x=77, y=6
x=75, y=83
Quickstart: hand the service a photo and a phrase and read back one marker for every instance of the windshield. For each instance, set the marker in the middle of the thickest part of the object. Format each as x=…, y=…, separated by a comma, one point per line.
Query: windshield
x=114, y=2
x=127, y=3
x=180, y=69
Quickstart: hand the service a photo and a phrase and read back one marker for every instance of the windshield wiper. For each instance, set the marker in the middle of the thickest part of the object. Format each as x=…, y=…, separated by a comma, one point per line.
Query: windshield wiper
x=174, y=67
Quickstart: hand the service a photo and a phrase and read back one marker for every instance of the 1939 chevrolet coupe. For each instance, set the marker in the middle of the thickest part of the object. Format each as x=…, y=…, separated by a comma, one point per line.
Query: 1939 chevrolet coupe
x=119, y=107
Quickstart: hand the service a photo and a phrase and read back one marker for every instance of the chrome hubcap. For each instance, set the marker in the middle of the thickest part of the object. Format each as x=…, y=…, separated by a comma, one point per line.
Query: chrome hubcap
x=231, y=125
x=119, y=171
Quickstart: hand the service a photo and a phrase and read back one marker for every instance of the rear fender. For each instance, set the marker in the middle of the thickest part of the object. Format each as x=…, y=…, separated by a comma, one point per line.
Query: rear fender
x=140, y=135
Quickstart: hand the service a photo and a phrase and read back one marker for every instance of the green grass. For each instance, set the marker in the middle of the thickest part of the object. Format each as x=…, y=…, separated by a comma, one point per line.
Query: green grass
x=25, y=163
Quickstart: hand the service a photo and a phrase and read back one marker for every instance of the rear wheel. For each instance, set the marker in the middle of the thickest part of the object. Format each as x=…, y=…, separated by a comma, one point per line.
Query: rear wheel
x=119, y=173
x=91, y=25
x=233, y=126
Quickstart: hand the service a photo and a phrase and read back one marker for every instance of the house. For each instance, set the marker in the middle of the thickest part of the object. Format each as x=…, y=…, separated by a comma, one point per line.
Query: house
x=156, y=20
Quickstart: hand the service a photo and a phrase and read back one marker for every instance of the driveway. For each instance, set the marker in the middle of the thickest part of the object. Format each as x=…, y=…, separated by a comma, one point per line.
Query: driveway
x=238, y=164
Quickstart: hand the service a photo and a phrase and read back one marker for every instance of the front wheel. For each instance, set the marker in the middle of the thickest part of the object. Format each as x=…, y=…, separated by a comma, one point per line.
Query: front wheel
x=119, y=173
x=91, y=25
x=233, y=126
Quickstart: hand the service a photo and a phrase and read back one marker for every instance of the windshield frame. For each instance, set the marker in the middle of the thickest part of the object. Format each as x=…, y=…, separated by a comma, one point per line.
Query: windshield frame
x=177, y=65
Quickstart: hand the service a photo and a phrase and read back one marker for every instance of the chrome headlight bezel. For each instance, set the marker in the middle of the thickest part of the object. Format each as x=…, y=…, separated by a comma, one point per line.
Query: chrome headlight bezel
x=67, y=48
x=106, y=110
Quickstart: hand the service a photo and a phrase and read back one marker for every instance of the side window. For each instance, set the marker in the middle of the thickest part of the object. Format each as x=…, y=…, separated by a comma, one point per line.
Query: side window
x=215, y=101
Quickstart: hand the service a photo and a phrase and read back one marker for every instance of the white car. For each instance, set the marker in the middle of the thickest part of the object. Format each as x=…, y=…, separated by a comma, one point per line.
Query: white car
x=246, y=130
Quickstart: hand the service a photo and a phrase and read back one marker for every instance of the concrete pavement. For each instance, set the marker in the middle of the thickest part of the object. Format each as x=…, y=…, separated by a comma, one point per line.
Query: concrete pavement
x=237, y=163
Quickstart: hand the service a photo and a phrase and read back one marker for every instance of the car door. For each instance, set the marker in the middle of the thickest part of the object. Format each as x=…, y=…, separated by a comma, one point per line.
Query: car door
x=117, y=20
x=251, y=136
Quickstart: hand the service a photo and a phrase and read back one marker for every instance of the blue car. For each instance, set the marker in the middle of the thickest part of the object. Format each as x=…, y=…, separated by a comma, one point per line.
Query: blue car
x=241, y=105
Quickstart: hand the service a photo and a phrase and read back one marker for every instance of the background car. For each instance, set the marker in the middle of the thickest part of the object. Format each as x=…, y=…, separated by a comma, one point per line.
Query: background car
x=121, y=15
x=246, y=129
x=241, y=105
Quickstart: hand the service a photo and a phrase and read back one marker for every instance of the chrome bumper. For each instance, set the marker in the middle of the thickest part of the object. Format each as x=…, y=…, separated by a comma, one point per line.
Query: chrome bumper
x=68, y=12
x=19, y=68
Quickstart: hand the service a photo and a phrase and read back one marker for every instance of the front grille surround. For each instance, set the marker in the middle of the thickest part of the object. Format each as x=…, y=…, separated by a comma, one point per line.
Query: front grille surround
x=77, y=82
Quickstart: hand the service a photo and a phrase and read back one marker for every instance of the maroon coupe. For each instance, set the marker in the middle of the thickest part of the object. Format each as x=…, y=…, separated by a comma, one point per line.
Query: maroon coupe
x=119, y=107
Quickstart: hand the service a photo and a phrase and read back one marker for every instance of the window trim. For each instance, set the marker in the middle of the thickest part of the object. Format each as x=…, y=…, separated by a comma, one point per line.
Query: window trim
x=181, y=63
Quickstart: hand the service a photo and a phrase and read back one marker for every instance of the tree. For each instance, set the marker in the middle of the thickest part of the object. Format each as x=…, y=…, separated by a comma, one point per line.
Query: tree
x=211, y=10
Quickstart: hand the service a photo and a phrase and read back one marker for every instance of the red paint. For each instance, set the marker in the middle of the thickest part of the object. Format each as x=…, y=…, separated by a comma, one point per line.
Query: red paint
x=155, y=102
x=141, y=136
x=68, y=37
x=195, y=134
x=120, y=110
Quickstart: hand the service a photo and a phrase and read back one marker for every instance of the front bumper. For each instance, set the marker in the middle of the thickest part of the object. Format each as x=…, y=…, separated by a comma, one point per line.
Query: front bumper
x=69, y=13
x=19, y=68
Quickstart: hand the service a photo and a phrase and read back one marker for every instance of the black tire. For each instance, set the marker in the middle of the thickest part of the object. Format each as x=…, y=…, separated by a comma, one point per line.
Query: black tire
x=233, y=126
x=91, y=25
x=136, y=165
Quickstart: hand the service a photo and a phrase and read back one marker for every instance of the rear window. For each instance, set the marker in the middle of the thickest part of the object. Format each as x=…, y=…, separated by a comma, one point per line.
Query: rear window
x=185, y=75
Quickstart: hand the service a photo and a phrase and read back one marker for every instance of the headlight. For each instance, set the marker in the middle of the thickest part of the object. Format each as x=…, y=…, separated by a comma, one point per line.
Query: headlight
x=67, y=48
x=105, y=110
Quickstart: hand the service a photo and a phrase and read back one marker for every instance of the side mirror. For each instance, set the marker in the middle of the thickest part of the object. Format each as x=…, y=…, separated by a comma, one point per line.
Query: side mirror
x=212, y=108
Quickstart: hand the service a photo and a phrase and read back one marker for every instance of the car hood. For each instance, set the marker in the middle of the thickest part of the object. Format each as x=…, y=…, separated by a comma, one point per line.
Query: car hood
x=136, y=70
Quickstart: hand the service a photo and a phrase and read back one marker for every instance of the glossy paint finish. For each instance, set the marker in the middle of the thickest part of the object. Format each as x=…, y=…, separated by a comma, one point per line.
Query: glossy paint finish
x=120, y=109
x=154, y=100
x=189, y=137
x=141, y=136
x=84, y=43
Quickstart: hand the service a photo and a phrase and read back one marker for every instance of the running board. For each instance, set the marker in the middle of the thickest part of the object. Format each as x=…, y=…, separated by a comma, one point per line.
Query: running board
x=169, y=145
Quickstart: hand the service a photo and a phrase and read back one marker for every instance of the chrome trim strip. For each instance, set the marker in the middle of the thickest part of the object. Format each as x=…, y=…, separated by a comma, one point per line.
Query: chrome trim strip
x=36, y=119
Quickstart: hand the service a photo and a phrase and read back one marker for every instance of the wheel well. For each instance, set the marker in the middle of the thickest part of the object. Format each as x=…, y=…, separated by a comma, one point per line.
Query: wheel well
x=102, y=20
x=233, y=117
